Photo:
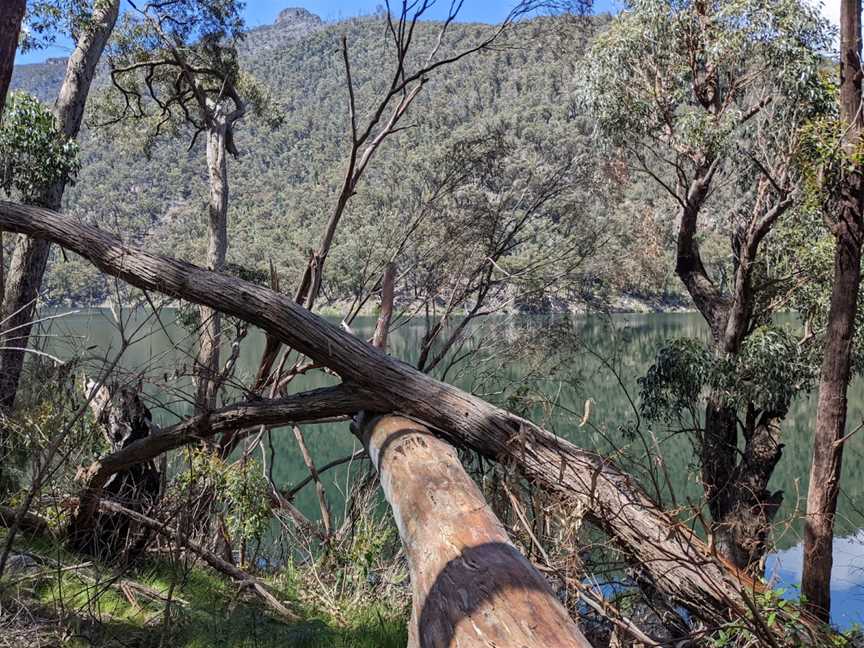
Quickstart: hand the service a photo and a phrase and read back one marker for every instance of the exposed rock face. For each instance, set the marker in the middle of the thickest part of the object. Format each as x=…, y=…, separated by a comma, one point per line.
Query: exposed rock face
x=296, y=14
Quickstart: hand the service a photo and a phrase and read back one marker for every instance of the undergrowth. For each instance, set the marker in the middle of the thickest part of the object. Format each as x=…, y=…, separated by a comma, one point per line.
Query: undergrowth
x=67, y=600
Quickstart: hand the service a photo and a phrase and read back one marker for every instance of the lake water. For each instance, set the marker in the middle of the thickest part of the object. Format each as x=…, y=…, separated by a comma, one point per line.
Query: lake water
x=630, y=345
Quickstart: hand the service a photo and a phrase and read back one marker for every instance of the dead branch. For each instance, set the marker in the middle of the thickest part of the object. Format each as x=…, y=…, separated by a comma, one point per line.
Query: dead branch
x=306, y=406
x=243, y=578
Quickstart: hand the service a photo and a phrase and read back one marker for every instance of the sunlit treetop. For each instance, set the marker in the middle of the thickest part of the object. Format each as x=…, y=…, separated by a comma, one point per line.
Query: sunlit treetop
x=690, y=73
x=45, y=20
x=174, y=66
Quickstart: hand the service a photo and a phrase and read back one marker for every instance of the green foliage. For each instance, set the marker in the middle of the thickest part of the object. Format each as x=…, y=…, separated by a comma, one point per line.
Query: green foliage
x=678, y=87
x=33, y=153
x=210, y=23
x=49, y=405
x=676, y=380
x=804, y=247
x=49, y=19
x=206, y=609
x=175, y=70
x=239, y=487
x=768, y=372
x=513, y=104
x=642, y=71
x=771, y=610
x=371, y=543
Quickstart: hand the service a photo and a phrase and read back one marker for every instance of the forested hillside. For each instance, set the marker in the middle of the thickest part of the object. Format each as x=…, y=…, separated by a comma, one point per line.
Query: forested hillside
x=288, y=174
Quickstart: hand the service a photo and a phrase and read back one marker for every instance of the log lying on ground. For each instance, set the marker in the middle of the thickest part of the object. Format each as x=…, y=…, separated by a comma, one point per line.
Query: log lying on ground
x=681, y=566
x=30, y=523
x=308, y=406
x=471, y=586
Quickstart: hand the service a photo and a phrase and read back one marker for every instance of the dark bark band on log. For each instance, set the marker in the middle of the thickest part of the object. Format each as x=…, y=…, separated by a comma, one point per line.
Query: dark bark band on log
x=680, y=564
x=471, y=586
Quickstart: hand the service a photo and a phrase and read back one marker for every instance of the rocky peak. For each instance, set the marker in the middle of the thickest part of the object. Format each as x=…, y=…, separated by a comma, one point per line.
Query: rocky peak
x=295, y=15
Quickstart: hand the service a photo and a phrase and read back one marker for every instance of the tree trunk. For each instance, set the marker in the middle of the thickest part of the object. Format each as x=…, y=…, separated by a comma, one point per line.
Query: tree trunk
x=736, y=492
x=717, y=461
x=736, y=483
x=471, y=586
x=123, y=419
x=31, y=256
x=678, y=563
x=207, y=368
x=11, y=16
x=836, y=363
x=830, y=426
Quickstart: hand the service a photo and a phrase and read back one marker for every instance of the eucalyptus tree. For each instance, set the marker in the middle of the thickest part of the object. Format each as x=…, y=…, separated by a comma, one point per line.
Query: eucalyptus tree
x=174, y=68
x=842, y=178
x=33, y=155
x=707, y=98
x=90, y=22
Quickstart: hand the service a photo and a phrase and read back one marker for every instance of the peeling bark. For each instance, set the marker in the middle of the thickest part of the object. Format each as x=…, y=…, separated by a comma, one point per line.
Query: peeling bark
x=207, y=367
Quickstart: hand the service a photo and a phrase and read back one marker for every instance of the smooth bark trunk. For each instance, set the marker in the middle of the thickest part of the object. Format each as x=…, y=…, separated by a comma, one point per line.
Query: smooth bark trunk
x=217, y=248
x=471, y=587
x=30, y=257
x=836, y=362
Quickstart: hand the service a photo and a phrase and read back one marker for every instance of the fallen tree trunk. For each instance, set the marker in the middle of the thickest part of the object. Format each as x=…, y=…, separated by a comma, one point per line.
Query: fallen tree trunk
x=680, y=564
x=311, y=405
x=30, y=523
x=471, y=586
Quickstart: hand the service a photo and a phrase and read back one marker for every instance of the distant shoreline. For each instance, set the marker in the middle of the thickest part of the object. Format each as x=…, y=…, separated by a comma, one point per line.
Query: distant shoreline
x=622, y=305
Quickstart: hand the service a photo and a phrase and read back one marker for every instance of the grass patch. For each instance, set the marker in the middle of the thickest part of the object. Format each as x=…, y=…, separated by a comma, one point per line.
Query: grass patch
x=86, y=606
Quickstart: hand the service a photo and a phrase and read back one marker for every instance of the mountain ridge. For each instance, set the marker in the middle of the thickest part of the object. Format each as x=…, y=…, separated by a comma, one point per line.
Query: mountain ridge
x=286, y=180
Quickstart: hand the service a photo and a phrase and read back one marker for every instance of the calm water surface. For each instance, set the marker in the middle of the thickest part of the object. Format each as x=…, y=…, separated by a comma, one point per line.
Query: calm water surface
x=164, y=350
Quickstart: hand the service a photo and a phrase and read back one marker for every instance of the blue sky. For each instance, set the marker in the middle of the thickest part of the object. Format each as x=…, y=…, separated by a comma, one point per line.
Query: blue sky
x=263, y=12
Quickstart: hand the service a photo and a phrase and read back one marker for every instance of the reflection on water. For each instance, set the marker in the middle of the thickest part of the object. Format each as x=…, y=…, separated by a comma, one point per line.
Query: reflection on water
x=632, y=345
x=847, y=577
